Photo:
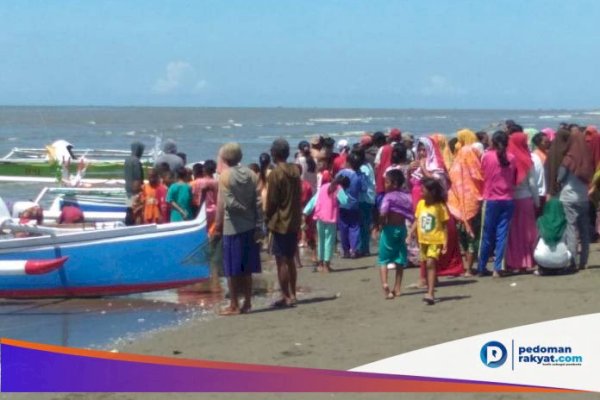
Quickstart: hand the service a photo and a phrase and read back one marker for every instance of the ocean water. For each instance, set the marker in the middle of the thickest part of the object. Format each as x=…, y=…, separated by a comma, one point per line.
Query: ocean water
x=199, y=132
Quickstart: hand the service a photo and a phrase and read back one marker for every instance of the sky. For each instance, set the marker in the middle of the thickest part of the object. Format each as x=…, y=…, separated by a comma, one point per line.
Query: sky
x=451, y=54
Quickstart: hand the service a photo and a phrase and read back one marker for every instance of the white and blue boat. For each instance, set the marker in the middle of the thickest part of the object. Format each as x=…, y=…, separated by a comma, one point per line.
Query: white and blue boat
x=90, y=263
x=97, y=204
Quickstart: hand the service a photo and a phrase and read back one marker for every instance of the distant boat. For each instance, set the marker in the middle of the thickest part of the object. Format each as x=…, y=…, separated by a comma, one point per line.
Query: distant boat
x=56, y=162
x=121, y=260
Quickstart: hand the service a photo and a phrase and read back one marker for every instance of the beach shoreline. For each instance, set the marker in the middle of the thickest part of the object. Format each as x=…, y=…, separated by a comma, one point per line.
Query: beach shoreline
x=343, y=321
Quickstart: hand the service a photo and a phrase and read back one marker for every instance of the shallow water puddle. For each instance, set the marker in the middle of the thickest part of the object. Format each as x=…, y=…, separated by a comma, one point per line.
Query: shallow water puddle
x=105, y=322
x=101, y=322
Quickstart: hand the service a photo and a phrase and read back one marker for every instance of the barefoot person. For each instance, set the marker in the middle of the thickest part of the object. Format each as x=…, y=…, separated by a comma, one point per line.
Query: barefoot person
x=239, y=215
x=324, y=207
x=395, y=209
x=465, y=194
x=431, y=217
x=499, y=177
x=283, y=213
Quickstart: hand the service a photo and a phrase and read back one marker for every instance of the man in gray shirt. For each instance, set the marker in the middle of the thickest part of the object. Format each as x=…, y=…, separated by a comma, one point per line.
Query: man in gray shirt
x=169, y=156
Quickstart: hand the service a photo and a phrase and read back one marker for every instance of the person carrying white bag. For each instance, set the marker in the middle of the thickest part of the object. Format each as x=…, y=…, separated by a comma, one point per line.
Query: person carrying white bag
x=551, y=252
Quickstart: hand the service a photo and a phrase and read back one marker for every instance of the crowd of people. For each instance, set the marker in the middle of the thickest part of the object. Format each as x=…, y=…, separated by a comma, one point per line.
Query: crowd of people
x=523, y=197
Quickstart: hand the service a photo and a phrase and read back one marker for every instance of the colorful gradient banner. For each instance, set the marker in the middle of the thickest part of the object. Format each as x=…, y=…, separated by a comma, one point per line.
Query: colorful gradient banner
x=32, y=367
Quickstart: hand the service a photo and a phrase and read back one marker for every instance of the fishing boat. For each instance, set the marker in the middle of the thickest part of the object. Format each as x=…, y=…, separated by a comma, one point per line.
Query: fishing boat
x=120, y=260
x=97, y=204
x=59, y=162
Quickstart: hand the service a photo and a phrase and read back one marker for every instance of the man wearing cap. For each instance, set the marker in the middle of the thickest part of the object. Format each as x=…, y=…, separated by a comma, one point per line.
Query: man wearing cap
x=366, y=143
x=339, y=163
x=409, y=142
x=169, y=156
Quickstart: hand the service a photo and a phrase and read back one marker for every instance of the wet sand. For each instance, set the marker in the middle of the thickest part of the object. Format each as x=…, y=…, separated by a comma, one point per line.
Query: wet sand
x=343, y=321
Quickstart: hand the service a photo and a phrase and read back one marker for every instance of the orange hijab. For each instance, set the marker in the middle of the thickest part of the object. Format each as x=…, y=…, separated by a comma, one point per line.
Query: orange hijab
x=466, y=189
x=444, y=149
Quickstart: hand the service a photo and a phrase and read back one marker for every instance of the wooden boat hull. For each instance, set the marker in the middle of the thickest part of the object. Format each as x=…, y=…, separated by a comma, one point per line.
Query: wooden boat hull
x=44, y=169
x=109, y=262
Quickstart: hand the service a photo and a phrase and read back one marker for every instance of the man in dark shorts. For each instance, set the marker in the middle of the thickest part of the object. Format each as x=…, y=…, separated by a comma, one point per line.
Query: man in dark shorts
x=283, y=213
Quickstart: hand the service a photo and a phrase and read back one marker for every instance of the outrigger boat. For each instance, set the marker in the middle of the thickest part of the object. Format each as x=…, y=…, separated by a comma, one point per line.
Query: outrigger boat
x=120, y=260
x=54, y=163
x=97, y=204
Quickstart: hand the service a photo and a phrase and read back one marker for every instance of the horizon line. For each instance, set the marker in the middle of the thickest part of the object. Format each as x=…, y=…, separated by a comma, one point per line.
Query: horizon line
x=298, y=107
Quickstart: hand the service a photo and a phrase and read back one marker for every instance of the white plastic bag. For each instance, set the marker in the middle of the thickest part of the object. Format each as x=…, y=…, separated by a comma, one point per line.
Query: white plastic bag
x=555, y=257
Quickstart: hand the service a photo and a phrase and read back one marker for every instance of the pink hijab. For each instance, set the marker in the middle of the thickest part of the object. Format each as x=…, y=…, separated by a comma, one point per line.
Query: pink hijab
x=550, y=133
x=433, y=161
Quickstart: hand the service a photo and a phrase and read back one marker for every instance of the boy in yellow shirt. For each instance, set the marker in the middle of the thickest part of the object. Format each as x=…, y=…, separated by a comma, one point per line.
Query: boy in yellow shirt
x=430, y=225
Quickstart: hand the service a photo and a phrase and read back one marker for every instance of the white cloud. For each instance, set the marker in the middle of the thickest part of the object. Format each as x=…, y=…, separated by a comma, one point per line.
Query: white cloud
x=180, y=77
x=438, y=85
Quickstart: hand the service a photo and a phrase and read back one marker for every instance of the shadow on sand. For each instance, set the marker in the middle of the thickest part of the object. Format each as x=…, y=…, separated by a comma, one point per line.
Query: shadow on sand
x=351, y=269
x=319, y=299
x=456, y=282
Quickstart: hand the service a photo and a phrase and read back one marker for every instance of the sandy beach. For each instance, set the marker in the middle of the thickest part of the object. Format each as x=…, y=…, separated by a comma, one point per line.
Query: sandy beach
x=342, y=321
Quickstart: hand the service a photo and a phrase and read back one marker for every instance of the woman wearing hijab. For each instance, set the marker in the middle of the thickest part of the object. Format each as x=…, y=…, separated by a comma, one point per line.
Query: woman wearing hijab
x=443, y=145
x=592, y=138
x=427, y=165
x=431, y=165
x=550, y=133
x=551, y=253
x=465, y=194
x=466, y=137
x=530, y=132
x=570, y=170
x=523, y=233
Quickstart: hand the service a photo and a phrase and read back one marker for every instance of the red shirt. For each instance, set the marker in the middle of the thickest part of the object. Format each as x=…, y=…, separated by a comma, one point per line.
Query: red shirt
x=306, y=192
x=339, y=163
x=385, y=160
x=70, y=215
x=325, y=177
